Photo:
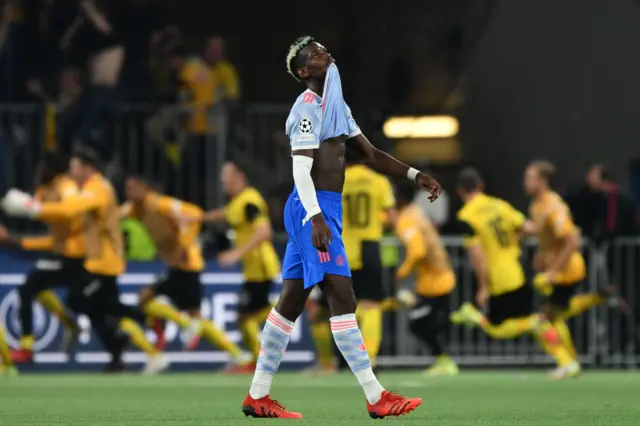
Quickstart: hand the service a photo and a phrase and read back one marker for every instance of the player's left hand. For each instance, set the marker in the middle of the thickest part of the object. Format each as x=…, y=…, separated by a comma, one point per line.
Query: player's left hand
x=429, y=184
x=18, y=203
x=229, y=258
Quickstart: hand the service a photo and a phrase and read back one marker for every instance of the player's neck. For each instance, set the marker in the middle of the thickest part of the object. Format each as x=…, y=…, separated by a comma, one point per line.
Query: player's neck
x=472, y=195
x=542, y=193
x=316, y=87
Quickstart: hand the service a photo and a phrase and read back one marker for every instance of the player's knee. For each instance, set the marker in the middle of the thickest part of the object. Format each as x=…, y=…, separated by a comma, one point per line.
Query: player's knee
x=292, y=301
x=145, y=296
x=342, y=302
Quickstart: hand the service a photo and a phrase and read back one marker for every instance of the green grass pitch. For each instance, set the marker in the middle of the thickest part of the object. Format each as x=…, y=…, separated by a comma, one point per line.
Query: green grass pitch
x=473, y=398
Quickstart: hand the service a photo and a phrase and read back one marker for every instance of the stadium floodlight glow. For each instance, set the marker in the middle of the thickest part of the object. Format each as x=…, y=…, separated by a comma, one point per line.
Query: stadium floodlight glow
x=434, y=126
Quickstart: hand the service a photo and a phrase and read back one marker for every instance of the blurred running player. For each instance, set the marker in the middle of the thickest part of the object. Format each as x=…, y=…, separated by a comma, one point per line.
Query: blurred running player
x=426, y=256
x=559, y=260
x=368, y=204
x=247, y=214
x=318, y=128
x=61, y=267
x=7, y=369
x=95, y=292
x=491, y=230
x=179, y=249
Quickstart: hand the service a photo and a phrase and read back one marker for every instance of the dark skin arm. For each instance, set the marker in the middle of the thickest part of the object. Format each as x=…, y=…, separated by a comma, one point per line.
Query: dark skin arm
x=384, y=163
x=321, y=234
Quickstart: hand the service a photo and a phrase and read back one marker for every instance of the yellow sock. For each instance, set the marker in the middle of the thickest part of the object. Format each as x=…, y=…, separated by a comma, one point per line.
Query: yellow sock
x=217, y=338
x=511, y=328
x=262, y=315
x=249, y=329
x=5, y=355
x=558, y=352
x=136, y=336
x=156, y=309
x=322, y=338
x=582, y=303
x=389, y=305
x=50, y=301
x=370, y=320
x=27, y=342
x=565, y=336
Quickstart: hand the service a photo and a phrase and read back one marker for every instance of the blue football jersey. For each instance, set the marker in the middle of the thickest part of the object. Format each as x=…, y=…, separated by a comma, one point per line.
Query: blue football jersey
x=314, y=119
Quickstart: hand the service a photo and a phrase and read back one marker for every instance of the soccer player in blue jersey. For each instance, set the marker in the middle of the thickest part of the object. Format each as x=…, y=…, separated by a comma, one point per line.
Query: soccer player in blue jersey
x=319, y=127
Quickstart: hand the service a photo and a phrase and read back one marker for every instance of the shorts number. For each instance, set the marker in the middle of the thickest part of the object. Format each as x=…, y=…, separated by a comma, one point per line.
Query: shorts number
x=500, y=233
x=358, y=209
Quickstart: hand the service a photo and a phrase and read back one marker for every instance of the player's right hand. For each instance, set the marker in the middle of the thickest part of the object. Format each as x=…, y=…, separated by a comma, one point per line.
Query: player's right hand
x=321, y=234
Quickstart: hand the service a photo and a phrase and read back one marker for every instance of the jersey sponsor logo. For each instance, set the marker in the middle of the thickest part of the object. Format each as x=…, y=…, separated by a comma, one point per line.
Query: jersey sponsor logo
x=305, y=125
x=308, y=98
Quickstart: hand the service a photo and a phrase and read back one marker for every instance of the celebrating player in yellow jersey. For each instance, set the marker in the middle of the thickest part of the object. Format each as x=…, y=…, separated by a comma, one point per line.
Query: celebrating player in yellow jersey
x=179, y=249
x=247, y=214
x=427, y=258
x=95, y=292
x=558, y=259
x=65, y=245
x=491, y=229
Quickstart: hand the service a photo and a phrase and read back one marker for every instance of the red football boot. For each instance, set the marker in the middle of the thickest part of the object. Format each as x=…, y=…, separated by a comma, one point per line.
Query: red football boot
x=266, y=407
x=22, y=356
x=158, y=328
x=392, y=404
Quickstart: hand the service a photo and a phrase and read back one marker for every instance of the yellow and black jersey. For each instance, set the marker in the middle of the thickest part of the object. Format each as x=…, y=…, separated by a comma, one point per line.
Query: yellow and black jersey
x=553, y=222
x=425, y=254
x=177, y=241
x=244, y=213
x=65, y=236
x=97, y=205
x=366, y=198
x=494, y=224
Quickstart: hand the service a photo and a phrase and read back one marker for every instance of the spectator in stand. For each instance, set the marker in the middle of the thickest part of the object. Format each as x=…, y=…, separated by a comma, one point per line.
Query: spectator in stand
x=69, y=107
x=97, y=33
x=600, y=209
x=144, y=26
x=224, y=76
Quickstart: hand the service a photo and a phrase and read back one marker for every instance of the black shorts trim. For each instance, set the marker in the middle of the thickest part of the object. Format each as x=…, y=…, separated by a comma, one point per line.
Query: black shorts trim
x=254, y=296
x=514, y=304
x=561, y=295
x=183, y=288
x=367, y=281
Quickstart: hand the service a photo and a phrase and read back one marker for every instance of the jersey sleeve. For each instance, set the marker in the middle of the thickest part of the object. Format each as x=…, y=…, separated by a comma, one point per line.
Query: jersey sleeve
x=92, y=197
x=303, y=126
x=253, y=214
x=354, y=129
x=408, y=232
x=468, y=232
x=388, y=198
x=515, y=217
x=172, y=207
x=68, y=189
x=560, y=221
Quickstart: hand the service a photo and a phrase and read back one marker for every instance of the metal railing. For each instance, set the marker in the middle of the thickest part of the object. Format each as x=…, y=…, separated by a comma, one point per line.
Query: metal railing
x=138, y=139
x=603, y=336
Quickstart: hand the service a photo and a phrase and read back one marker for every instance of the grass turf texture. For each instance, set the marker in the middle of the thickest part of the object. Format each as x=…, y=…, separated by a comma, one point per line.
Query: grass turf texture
x=473, y=398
